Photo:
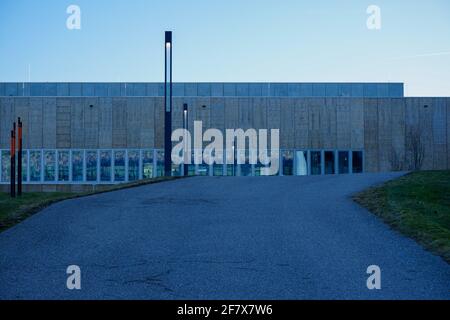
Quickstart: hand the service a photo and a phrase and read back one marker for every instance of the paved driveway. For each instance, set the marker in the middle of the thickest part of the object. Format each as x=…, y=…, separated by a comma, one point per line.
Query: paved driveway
x=218, y=238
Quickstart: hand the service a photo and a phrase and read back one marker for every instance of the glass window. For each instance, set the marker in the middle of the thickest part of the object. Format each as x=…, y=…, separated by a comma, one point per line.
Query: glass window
x=133, y=165
x=316, y=162
x=6, y=166
x=160, y=163
x=63, y=165
x=119, y=165
x=218, y=169
x=288, y=162
x=246, y=167
x=357, y=161
x=329, y=162
x=147, y=164
x=191, y=167
x=49, y=165
x=24, y=166
x=35, y=166
x=301, y=163
x=105, y=166
x=77, y=165
x=91, y=165
x=231, y=170
x=343, y=162
x=203, y=169
x=176, y=170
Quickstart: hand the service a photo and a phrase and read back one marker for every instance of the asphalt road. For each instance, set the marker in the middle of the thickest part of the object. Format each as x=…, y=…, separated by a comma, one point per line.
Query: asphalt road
x=218, y=238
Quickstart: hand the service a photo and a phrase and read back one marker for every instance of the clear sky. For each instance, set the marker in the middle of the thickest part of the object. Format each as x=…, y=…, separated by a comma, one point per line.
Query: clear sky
x=229, y=40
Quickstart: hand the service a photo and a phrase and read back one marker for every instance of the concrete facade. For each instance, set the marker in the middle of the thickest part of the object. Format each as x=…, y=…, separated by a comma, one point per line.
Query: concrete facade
x=382, y=127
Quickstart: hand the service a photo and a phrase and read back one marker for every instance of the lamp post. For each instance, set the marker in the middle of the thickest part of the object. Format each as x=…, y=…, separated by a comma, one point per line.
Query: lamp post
x=19, y=159
x=13, y=162
x=168, y=104
x=185, y=127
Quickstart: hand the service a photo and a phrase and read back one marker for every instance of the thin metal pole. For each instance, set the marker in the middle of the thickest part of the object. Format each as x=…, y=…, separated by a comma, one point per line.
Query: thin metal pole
x=185, y=127
x=168, y=104
x=19, y=160
x=13, y=162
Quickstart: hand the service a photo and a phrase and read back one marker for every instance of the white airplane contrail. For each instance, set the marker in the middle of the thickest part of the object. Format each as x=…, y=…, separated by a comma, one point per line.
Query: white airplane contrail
x=431, y=54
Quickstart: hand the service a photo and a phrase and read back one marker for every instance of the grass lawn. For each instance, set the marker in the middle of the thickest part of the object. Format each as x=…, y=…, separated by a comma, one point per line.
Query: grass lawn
x=15, y=210
x=417, y=205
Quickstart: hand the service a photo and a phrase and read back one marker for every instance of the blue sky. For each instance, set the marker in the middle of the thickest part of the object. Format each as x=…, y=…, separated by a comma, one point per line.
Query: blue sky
x=229, y=40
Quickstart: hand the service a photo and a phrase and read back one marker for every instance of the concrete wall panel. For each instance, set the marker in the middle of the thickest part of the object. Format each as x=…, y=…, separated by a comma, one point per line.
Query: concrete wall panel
x=218, y=113
x=319, y=90
x=332, y=90
x=35, y=124
x=217, y=89
x=301, y=119
x=242, y=89
x=273, y=113
x=91, y=116
x=148, y=123
x=63, y=123
x=159, y=123
x=49, y=123
x=75, y=89
x=259, y=113
x=6, y=121
x=50, y=90
x=62, y=89
x=278, y=89
x=134, y=121
x=343, y=124
x=105, y=123
x=11, y=89
x=190, y=89
x=229, y=89
x=119, y=120
x=114, y=89
x=439, y=133
x=398, y=134
x=447, y=101
x=139, y=89
x=411, y=126
x=315, y=137
x=357, y=90
x=306, y=89
x=371, y=135
x=77, y=123
x=178, y=89
x=204, y=89
x=328, y=123
x=287, y=133
x=255, y=89
x=384, y=135
x=357, y=123
x=245, y=113
x=426, y=128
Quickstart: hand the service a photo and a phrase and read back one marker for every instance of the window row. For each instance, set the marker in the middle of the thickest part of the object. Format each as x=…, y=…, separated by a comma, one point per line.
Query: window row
x=115, y=166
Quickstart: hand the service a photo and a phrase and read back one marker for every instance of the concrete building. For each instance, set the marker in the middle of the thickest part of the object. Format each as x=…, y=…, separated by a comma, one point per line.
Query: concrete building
x=78, y=134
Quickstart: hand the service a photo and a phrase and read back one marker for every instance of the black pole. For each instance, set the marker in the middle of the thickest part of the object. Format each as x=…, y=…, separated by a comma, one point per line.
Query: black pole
x=168, y=104
x=19, y=159
x=185, y=127
x=13, y=162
